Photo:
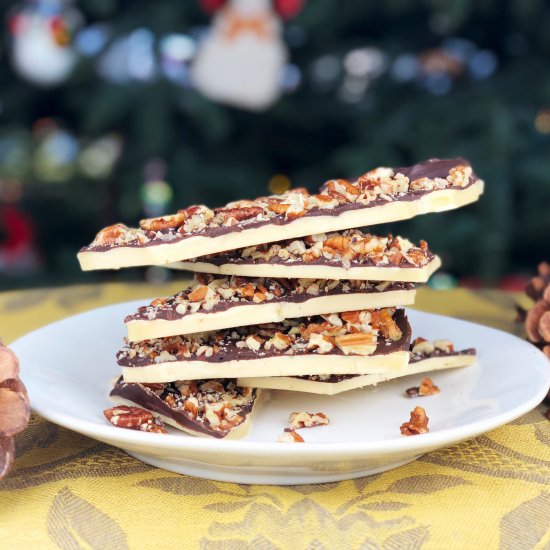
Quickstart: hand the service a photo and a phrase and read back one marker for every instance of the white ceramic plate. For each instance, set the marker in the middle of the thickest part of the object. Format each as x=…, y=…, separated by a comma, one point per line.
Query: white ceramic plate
x=67, y=367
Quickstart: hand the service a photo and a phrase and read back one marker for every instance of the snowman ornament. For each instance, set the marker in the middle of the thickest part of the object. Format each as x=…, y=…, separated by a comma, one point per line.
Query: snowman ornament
x=241, y=60
x=41, y=52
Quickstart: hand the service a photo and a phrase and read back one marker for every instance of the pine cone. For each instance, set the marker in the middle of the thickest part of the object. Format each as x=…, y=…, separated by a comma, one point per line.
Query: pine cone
x=537, y=319
x=14, y=407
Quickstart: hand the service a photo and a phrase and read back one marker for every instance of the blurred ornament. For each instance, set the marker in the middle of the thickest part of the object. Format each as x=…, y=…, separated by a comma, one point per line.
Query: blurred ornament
x=176, y=50
x=459, y=48
x=291, y=78
x=362, y=65
x=405, y=68
x=325, y=71
x=90, y=41
x=98, y=158
x=288, y=9
x=438, y=60
x=131, y=57
x=241, y=60
x=15, y=154
x=18, y=254
x=365, y=62
x=482, y=64
x=438, y=83
x=41, y=49
x=55, y=157
x=278, y=184
x=443, y=281
x=542, y=121
x=156, y=194
x=514, y=283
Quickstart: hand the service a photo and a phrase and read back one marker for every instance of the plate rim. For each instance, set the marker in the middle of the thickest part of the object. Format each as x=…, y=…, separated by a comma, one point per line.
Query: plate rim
x=252, y=449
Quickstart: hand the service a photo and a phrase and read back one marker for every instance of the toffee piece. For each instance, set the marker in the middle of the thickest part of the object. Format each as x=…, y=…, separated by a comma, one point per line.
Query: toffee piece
x=361, y=342
x=206, y=408
x=378, y=196
x=219, y=302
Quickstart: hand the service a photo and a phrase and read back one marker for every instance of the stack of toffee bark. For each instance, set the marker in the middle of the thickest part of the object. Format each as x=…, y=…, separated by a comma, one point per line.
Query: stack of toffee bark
x=320, y=311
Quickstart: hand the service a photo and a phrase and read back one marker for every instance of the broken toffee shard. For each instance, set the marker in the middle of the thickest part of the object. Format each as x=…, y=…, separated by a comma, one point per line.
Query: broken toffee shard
x=381, y=195
x=357, y=342
x=207, y=408
x=219, y=302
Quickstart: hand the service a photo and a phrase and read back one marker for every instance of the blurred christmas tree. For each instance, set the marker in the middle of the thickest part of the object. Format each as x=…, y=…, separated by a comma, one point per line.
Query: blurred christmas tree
x=101, y=120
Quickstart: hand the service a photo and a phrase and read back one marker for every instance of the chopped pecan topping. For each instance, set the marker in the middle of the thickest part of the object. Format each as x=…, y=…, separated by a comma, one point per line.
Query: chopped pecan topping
x=354, y=335
x=134, y=418
x=209, y=292
x=376, y=186
x=424, y=349
x=421, y=346
x=299, y=420
x=444, y=345
x=418, y=423
x=290, y=436
x=351, y=247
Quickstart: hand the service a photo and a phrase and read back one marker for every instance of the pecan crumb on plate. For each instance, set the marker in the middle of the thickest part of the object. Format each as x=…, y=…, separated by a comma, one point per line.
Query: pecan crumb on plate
x=418, y=424
x=307, y=420
x=426, y=387
x=290, y=436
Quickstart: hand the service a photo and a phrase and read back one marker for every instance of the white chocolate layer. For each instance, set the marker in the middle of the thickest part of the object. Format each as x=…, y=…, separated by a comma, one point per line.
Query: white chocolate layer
x=280, y=365
x=266, y=312
x=332, y=388
x=303, y=270
x=239, y=432
x=123, y=256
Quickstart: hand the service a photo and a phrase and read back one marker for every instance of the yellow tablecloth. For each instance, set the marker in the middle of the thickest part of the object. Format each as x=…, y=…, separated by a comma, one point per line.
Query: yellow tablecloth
x=69, y=491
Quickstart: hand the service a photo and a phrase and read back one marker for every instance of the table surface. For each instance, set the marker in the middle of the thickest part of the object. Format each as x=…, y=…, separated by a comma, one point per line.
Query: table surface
x=69, y=491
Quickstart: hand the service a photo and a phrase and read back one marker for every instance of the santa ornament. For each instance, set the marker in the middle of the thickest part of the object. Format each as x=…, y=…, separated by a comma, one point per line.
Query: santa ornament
x=41, y=49
x=241, y=60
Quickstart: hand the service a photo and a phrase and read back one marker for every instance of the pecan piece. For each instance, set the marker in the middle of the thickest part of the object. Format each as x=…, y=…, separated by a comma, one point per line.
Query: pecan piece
x=338, y=243
x=358, y=344
x=166, y=222
x=198, y=294
x=110, y=234
x=279, y=208
x=427, y=387
x=382, y=320
x=290, y=436
x=240, y=214
x=307, y=420
x=418, y=424
x=133, y=418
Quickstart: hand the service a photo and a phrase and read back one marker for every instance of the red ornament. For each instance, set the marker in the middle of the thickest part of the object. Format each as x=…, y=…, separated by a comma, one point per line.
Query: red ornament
x=288, y=9
x=212, y=6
